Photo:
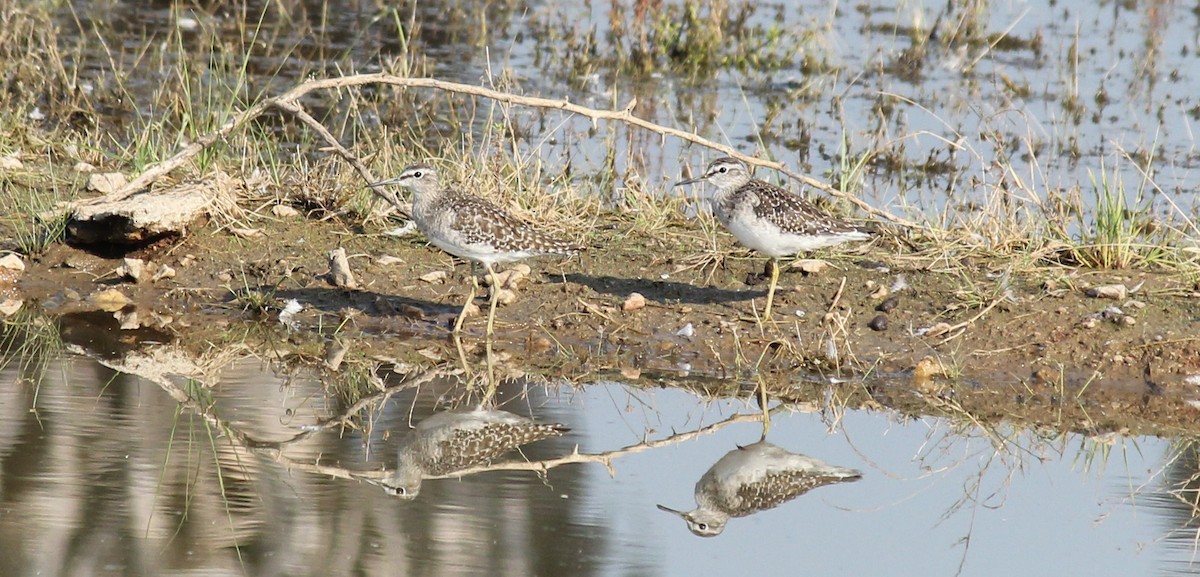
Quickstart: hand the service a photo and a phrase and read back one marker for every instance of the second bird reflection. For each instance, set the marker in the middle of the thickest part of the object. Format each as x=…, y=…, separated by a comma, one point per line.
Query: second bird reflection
x=755, y=478
x=452, y=441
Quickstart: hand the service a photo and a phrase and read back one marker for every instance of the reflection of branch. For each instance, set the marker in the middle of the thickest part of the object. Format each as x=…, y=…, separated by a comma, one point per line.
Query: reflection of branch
x=604, y=457
x=289, y=101
x=381, y=397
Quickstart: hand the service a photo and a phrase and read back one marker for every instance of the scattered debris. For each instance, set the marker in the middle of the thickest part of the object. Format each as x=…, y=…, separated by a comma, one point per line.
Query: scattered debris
x=287, y=317
x=538, y=344
x=9, y=307
x=899, y=284
x=284, y=211
x=875, y=266
x=430, y=353
x=436, y=276
x=335, y=352
x=687, y=331
x=106, y=182
x=11, y=162
x=339, y=269
x=810, y=265
x=412, y=312
x=245, y=232
x=388, y=260
x=131, y=269
x=82, y=166
x=927, y=368
x=110, y=300
x=128, y=319
x=508, y=279
x=879, y=323
x=1113, y=291
x=505, y=296
x=163, y=272
x=1047, y=376
x=12, y=262
x=936, y=330
x=634, y=302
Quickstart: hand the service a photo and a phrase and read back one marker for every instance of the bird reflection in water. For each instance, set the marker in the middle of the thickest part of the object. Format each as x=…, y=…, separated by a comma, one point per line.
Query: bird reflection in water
x=755, y=478
x=453, y=441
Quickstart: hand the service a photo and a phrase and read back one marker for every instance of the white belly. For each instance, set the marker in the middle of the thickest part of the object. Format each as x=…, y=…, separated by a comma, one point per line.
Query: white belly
x=768, y=239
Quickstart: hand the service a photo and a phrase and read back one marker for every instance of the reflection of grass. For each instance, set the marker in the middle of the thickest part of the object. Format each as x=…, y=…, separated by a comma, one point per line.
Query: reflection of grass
x=32, y=340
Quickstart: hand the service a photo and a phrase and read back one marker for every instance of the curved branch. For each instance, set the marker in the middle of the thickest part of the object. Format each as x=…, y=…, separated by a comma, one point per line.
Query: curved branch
x=288, y=101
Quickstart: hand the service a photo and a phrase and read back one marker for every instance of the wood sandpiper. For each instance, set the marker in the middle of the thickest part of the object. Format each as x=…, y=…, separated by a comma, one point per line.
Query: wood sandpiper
x=452, y=441
x=755, y=478
x=470, y=227
x=769, y=219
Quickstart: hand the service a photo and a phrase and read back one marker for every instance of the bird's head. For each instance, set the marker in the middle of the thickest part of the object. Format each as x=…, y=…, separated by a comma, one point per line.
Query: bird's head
x=725, y=172
x=701, y=522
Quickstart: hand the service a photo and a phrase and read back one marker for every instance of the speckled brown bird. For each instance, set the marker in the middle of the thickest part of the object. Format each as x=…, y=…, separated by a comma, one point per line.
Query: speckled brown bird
x=769, y=219
x=470, y=227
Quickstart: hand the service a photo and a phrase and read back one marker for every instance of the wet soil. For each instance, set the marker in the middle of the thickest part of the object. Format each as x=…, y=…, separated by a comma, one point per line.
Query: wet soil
x=1025, y=344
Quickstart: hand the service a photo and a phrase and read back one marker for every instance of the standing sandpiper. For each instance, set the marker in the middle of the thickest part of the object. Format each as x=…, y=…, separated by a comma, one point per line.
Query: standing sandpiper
x=769, y=219
x=470, y=227
x=452, y=441
x=755, y=478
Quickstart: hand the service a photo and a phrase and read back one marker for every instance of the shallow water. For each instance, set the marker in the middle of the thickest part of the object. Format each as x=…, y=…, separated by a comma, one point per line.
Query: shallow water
x=109, y=474
x=1062, y=92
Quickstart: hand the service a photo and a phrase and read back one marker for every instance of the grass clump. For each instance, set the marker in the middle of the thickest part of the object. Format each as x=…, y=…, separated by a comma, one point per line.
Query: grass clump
x=1118, y=232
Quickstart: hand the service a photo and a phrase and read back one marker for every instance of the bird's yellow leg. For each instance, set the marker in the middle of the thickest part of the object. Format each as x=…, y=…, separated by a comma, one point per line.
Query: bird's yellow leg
x=462, y=316
x=774, y=264
x=492, y=305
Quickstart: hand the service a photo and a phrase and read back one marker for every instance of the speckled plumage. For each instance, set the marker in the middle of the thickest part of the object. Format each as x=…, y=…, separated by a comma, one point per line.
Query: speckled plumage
x=755, y=478
x=452, y=441
x=769, y=219
x=471, y=227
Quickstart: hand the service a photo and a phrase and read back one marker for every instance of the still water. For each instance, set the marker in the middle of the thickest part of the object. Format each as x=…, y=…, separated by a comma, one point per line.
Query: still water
x=944, y=104
x=104, y=473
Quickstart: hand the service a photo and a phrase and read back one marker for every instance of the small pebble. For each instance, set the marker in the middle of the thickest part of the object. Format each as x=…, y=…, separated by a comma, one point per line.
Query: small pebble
x=12, y=262
x=888, y=304
x=284, y=211
x=1112, y=291
x=435, y=276
x=634, y=302
x=879, y=323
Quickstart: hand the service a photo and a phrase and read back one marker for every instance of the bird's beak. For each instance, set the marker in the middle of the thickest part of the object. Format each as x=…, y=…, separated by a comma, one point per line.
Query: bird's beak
x=384, y=182
x=690, y=181
x=670, y=510
x=388, y=194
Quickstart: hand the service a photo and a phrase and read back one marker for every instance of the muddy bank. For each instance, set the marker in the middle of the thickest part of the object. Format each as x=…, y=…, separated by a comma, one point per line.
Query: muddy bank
x=985, y=339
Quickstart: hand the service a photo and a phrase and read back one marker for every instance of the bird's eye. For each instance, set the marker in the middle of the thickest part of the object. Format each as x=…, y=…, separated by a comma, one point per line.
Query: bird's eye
x=417, y=174
x=401, y=491
x=702, y=526
x=724, y=170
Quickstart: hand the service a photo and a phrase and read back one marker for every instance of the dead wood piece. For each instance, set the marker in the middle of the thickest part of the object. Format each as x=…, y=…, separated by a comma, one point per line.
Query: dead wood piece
x=147, y=216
